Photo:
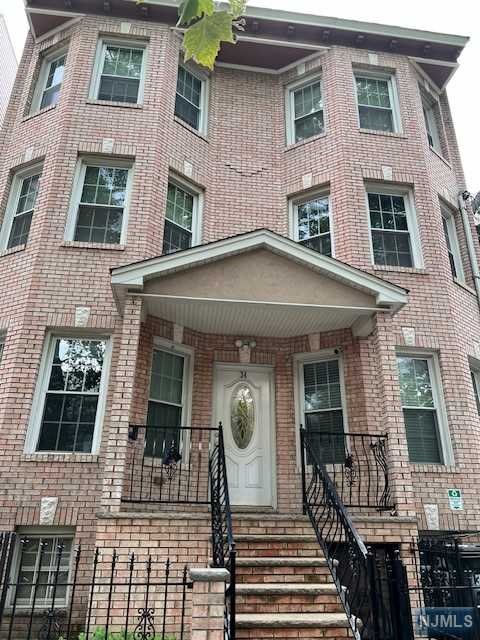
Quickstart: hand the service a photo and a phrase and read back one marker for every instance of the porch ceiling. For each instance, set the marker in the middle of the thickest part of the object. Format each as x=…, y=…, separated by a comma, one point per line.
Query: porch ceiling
x=257, y=284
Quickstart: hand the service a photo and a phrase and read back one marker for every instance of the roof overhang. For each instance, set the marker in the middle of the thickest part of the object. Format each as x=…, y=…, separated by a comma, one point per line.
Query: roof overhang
x=273, y=39
x=259, y=284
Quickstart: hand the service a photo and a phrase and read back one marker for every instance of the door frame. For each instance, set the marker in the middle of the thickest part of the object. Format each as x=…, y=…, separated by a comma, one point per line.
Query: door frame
x=218, y=367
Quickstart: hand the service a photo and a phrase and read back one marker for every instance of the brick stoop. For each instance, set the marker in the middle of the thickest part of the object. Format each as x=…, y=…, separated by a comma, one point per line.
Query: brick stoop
x=284, y=586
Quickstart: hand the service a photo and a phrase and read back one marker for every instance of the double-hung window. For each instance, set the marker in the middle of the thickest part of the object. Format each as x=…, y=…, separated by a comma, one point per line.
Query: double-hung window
x=190, y=99
x=182, y=222
x=99, y=206
x=71, y=394
x=2, y=346
x=430, y=113
x=311, y=224
x=376, y=102
x=451, y=240
x=50, y=81
x=305, y=110
x=42, y=571
x=422, y=413
x=166, y=406
x=119, y=72
x=20, y=208
x=475, y=375
x=322, y=408
x=393, y=229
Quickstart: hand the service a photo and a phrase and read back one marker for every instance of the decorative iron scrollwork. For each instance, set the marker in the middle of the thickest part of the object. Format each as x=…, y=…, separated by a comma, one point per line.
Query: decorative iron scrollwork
x=351, y=473
x=51, y=624
x=145, y=629
x=170, y=461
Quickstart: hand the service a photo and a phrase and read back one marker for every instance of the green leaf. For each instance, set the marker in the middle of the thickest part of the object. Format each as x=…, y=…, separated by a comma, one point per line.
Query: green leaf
x=237, y=8
x=191, y=9
x=202, y=40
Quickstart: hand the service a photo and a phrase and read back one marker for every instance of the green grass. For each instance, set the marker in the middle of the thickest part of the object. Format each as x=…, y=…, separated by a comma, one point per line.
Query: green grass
x=99, y=634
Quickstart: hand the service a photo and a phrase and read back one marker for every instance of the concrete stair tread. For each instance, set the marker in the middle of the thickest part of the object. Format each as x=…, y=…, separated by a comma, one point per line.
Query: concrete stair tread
x=282, y=620
x=274, y=537
x=281, y=561
x=288, y=588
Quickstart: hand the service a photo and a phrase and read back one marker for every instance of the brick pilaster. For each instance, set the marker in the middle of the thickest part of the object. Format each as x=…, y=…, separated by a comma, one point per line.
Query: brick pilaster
x=208, y=603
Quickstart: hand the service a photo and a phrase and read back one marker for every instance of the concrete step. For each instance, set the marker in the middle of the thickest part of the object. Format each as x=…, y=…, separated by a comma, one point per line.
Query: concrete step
x=278, y=561
x=292, y=588
x=288, y=598
x=291, y=620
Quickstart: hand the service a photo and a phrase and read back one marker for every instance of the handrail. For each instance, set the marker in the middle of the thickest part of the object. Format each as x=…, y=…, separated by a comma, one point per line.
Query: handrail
x=353, y=566
x=224, y=553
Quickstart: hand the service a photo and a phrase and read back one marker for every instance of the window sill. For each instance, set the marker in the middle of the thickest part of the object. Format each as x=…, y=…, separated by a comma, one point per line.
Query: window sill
x=387, y=134
x=40, y=112
x=389, y=269
x=464, y=286
x=75, y=244
x=301, y=143
x=188, y=127
x=107, y=103
x=90, y=458
x=439, y=155
x=9, y=252
x=418, y=467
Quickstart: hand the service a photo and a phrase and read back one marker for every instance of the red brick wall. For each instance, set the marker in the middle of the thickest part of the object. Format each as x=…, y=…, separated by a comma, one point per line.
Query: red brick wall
x=248, y=174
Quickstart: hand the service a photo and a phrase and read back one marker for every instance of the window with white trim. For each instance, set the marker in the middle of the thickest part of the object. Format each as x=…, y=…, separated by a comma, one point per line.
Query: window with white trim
x=50, y=79
x=119, y=73
x=72, y=394
x=166, y=405
x=393, y=229
x=20, y=208
x=182, y=214
x=42, y=568
x=475, y=376
x=304, y=110
x=99, y=208
x=2, y=347
x=323, y=407
x=430, y=110
x=420, y=397
x=451, y=240
x=190, y=98
x=376, y=101
x=311, y=223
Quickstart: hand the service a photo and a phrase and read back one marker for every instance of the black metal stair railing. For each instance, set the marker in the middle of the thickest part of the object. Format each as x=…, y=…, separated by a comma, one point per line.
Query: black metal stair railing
x=224, y=554
x=355, y=569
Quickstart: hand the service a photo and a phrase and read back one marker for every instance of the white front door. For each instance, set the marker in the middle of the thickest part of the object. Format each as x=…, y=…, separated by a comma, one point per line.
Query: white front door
x=243, y=399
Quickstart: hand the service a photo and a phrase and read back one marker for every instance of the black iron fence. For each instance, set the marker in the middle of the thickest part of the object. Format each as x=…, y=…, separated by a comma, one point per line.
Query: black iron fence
x=169, y=465
x=448, y=584
x=357, y=465
x=111, y=596
x=372, y=585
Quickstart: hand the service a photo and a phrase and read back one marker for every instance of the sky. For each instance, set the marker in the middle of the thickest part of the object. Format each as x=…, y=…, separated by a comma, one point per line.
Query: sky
x=461, y=17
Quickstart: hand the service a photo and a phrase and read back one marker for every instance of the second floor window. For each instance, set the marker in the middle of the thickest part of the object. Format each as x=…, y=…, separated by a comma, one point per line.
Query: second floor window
x=71, y=389
x=376, y=105
x=305, y=117
x=390, y=232
x=312, y=224
x=20, y=209
x=119, y=73
x=49, y=82
x=99, y=203
x=190, y=99
x=181, y=218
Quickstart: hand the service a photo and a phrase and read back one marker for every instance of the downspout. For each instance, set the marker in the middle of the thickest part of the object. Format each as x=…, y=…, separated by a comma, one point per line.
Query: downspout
x=462, y=200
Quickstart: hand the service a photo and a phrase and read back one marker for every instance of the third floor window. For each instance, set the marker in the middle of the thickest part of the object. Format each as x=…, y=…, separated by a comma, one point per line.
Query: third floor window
x=376, y=103
x=305, y=117
x=190, y=99
x=50, y=79
x=119, y=72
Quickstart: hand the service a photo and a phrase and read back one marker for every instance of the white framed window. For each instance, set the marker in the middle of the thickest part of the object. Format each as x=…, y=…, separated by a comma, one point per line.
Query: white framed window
x=423, y=409
x=170, y=397
x=191, y=98
x=41, y=568
x=430, y=110
x=100, y=201
x=451, y=240
x=183, y=214
x=69, y=403
x=394, y=235
x=119, y=71
x=377, y=102
x=304, y=109
x=2, y=346
x=475, y=376
x=311, y=222
x=50, y=79
x=321, y=403
x=20, y=207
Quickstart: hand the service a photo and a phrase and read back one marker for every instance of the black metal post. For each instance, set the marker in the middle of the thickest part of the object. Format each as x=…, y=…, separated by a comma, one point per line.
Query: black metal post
x=302, y=459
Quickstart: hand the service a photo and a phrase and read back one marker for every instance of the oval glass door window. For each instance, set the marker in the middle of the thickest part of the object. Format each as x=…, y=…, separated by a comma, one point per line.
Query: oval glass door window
x=242, y=416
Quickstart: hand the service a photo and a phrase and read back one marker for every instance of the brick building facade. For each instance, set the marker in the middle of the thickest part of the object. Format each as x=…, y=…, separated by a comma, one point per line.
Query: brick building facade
x=281, y=236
